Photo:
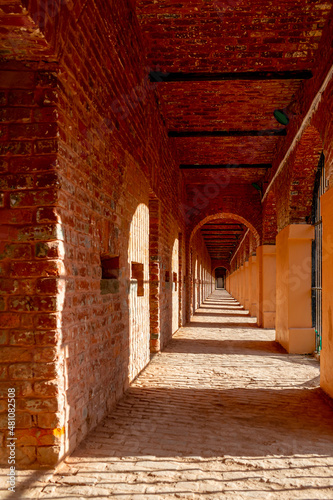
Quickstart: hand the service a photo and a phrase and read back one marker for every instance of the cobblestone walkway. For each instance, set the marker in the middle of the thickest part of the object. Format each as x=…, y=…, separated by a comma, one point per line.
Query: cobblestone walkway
x=223, y=412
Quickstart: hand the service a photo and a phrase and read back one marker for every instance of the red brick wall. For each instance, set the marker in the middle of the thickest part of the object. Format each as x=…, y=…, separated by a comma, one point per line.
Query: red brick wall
x=269, y=219
x=294, y=185
x=322, y=121
x=81, y=149
x=155, y=273
x=241, y=202
x=31, y=259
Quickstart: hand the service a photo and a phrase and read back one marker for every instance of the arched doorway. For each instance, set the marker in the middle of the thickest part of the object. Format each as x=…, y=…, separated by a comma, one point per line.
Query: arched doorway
x=222, y=234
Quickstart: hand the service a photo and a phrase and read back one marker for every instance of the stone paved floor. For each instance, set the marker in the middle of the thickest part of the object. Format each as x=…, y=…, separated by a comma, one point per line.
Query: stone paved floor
x=223, y=412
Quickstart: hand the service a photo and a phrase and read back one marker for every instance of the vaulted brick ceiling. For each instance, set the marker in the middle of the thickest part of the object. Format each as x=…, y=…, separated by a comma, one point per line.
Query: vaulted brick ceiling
x=228, y=64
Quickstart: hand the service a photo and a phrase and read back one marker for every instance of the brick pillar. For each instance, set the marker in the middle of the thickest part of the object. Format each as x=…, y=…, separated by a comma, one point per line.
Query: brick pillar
x=32, y=274
x=294, y=329
x=154, y=274
x=246, y=285
x=188, y=283
x=326, y=355
x=266, y=283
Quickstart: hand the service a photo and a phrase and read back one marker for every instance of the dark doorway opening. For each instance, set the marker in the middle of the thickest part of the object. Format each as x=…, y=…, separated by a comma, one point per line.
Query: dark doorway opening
x=220, y=276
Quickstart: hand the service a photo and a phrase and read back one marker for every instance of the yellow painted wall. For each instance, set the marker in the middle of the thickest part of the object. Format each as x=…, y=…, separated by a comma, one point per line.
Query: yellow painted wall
x=266, y=285
x=326, y=357
x=253, y=302
x=246, y=285
x=293, y=289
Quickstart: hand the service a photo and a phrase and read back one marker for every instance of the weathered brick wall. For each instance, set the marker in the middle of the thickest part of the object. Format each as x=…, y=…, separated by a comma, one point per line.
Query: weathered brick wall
x=32, y=286
x=269, y=218
x=170, y=261
x=83, y=146
x=154, y=272
x=322, y=121
x=240, y=202
x=294, y=186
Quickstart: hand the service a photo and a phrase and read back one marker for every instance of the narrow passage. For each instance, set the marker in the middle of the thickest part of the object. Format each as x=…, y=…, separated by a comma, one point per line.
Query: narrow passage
x=222, y=412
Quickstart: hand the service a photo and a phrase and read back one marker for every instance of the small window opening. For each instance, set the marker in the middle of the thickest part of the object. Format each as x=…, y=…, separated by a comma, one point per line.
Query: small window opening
x=174, y=279
x=137, y=274
x=167, y=276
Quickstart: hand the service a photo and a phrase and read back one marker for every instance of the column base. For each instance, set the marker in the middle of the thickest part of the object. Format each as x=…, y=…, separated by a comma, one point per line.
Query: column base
x=268, y=320
x=301, y=341
x=253, y=310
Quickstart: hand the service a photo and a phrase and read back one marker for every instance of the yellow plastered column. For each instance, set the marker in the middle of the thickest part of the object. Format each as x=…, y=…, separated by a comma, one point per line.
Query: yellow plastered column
x=253, y=305
x=236, y=284
x=326, y=356
x=246, y=285
x=294, y=329
x=266, y=260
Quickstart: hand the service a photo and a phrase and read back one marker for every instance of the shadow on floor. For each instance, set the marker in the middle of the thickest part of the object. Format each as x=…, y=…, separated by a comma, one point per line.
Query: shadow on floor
x=207, y=346
x=223, y=314
x=244, y=422
x=223, y=325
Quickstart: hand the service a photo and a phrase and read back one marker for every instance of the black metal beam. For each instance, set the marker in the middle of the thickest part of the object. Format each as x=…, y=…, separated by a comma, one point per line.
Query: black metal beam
x=225, y=165
x=228, y=133
x=159, y=76
x=222, y=231
x=224, y=224
x=220, y=237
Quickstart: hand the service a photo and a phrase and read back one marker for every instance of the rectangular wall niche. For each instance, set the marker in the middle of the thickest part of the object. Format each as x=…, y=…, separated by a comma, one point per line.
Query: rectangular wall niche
x=137, y=275
x=110, y=274
x=110, y=267
x=174, y=279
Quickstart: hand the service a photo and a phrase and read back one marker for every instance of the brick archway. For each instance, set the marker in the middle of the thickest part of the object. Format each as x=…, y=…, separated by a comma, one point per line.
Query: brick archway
x=220, y=264
x=226, y=216
x=295, y=184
